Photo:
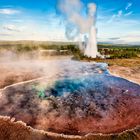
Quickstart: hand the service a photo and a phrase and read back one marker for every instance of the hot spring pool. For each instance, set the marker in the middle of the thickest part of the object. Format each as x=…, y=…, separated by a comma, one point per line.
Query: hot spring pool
x=80, y=98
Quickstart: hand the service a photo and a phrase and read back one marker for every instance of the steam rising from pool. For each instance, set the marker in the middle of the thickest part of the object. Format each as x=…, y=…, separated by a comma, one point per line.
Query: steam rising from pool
x=75, y=98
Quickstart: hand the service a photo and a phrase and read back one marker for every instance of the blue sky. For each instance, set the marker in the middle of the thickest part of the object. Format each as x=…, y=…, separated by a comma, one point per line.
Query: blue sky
x=118, y=21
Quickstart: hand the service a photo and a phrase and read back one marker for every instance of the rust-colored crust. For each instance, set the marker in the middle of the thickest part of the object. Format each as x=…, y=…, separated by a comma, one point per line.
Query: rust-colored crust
x=11, y=130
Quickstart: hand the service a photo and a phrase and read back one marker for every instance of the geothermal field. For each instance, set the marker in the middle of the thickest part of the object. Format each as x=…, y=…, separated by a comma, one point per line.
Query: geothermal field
x=65, y=77
x=63, y=96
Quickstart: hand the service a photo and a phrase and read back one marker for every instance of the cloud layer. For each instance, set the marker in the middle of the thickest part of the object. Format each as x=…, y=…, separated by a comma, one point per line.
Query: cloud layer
x=7, y=11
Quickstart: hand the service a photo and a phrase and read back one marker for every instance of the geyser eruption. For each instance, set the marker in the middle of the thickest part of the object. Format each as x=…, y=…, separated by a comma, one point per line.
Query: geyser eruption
x=80, y=20
x=91, y=46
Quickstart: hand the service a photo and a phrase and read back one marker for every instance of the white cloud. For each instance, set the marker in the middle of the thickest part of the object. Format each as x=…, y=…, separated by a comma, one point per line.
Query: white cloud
x=115, y=16
x=7, y=11
x=119, y=13
x=129, y=13
x=11, y=27
x=33, y=30
x=128, y=6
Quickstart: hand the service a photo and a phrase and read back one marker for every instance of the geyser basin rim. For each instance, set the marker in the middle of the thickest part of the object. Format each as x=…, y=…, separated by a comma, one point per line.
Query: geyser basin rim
x=12, y=120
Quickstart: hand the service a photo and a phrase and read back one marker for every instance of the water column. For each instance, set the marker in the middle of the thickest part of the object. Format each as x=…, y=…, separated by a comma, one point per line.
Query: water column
x=91, y=47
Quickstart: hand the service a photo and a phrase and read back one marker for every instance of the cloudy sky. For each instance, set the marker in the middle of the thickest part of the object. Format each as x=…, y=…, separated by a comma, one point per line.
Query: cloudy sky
x=118, y=21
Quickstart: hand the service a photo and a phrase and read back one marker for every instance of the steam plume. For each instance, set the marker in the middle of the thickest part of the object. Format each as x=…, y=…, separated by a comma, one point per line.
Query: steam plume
x=80, y=20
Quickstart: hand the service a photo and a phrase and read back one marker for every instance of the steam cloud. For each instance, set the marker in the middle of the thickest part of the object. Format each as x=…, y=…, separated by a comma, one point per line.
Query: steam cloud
x=73, y=11
x=80, y=20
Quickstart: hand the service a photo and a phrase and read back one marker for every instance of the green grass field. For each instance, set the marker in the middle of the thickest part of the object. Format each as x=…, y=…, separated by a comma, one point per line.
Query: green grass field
x=112, y=51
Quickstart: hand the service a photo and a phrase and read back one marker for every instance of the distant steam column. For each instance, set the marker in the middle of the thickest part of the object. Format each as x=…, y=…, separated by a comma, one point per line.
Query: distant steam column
x=91, y=47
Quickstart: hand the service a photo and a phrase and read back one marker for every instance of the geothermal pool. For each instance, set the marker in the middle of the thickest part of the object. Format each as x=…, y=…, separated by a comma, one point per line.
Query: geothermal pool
x=74, y=98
